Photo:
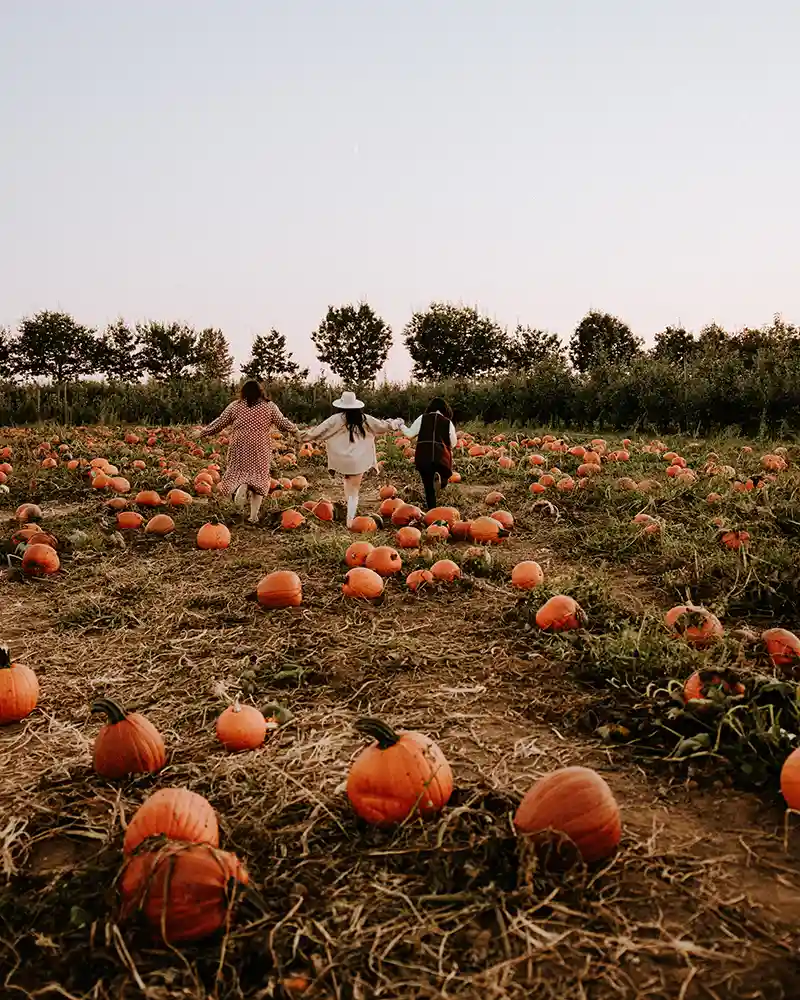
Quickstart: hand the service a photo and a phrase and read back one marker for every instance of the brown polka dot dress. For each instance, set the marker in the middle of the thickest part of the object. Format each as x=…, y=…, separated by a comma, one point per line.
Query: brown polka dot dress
x=250, y=448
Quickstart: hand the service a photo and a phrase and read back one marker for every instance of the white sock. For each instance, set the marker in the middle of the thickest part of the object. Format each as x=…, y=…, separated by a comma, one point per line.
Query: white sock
x=352, y=508
x=240, y=496
x=255, y=505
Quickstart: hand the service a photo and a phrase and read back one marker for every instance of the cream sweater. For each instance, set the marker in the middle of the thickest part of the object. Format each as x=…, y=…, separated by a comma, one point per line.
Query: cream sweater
x=350, y=458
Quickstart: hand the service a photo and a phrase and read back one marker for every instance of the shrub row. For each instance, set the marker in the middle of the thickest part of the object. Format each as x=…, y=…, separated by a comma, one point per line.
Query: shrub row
x=653, y=395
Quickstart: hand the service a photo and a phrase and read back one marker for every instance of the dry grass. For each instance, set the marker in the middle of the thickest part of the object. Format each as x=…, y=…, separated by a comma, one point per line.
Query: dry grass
x=701, y=900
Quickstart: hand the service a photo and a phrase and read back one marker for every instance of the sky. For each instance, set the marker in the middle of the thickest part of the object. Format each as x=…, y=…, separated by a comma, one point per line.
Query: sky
x=246, y=164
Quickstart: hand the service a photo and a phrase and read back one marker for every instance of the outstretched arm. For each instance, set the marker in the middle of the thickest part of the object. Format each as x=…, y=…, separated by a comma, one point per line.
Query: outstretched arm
x=281, y=422
x=223, y=420
x=414, y=429
x=323, y=430
x=384, y=426
x=453, y=435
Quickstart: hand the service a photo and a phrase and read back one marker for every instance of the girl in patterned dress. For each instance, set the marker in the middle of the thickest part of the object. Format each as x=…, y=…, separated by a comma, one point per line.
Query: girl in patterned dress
x=349, y=437
x=247, y=474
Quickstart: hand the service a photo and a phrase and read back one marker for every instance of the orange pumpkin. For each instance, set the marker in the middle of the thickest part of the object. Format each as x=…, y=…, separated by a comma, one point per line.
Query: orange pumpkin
x=174, y=813
x=129, y=520
x=291, y=519
x=40, y=560
x=446, y=514
x=419, y=578
x=493, y=498
x=437, y=533
x=460, y=531
x=697, y=684
x=213, y=535
x=324, y=510
x=526, y=575
x=28, y=512
x=405, y=514
x=401, y=774
x=387, y=492
x=129, y=744
x=446, y=570
x=790, y=780
x=698, y=626
x=19, y=689
x=148, y=498
x=384, y=560
x=183, y=890
x=362, y=582
x=356, y=554
x=504, y=518
x=363, y=525
x=560, y=614
x=408, y=538
x=735, y=539
x=486, y=530
x=178, y=498
x=280, y=589
x=160, y=524
x=389, y=506
x=241, y=727
x=783, y=647
x=574, y=802
x=117, y=504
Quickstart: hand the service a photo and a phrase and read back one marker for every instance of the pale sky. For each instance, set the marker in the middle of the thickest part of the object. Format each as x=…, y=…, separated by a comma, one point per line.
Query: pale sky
x=244, y=164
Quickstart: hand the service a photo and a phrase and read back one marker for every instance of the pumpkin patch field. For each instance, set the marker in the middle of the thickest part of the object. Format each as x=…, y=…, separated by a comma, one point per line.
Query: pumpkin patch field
x=542, y=741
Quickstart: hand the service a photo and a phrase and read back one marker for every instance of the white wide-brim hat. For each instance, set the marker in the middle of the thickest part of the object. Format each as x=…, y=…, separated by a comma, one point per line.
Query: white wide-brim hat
x=348, y=401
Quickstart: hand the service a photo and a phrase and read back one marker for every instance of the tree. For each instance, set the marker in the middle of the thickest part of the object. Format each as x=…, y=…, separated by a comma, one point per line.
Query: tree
x=452, y=341
x=674, y=344
x=52, y=345
x=120, y=351
x=527, y=346
x=169, y=351
x=213, y=358
x=270, y=360
x=353, y=342
x=8, y=355
x=601, y=337
x=714, y=340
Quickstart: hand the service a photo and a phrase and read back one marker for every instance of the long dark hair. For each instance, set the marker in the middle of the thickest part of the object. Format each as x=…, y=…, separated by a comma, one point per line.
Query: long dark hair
x=252, y=392
x=355, y=423
x=439, y=405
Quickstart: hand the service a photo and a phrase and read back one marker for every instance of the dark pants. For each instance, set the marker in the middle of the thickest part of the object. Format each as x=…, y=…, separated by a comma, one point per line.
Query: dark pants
x=428, y=474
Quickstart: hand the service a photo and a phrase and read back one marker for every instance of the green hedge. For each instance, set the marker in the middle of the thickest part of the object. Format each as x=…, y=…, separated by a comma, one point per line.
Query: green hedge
x=659, y=396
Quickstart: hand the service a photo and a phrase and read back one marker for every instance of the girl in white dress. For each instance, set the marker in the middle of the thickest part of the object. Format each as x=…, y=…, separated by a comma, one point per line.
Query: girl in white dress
x=349, y=438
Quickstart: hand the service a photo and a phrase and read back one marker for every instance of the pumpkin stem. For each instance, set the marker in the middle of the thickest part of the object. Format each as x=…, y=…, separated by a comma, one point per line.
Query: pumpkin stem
x=378, y=730
x=114, y=711
x=5, y=657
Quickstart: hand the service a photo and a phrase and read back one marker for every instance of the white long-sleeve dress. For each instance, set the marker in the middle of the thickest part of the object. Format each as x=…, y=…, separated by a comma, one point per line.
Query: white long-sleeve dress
x=350, y=458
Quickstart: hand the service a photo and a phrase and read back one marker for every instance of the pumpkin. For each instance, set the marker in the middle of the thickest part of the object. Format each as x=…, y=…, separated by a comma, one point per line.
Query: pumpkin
x=526, y=575
x=129, y=520
x=119, y=484
x=299, y=483
x=324, y=510
x=213, y=535
x=419, y=578
x=42, y=538
x=128, y=744
x=437, y=533
x=19, y=689
x=178, y=498
x=486, y=530
x=735, y=539
x=101, y=481
x=27, y=512
x=280, y=589
x=695, y=624
x=388, y=507
x=148, y=498
x=183, y=890
x=560, y=613
x=401, y=774
x=384, y=560
x=405, y=514
x=387, y=492
x=408, y=538
x=697, y=684
x=40, y=560
x=446, y=570
x=460, y=531
x=291, y=519
x=241, y=727
x=783, y=646
x=356, y=554
x=362, y=582
x=574, y=802
x=174, y=813
x=363, y=525
x=493, y=498
x=504, y=518
x=161, y=524
x=455, y=478
x=446, y=514
x=117, y=504
x=790, y=779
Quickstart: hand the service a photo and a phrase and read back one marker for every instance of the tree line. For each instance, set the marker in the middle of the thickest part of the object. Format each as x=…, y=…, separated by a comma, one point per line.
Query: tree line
x=444, y=341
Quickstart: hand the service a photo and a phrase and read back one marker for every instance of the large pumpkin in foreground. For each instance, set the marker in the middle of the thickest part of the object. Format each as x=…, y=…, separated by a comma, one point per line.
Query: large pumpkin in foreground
x=577, y=803
x=280, y=589
x=790, y=780
x=19, y=689
x=174, y=813
x=401, y=774
x=182, y=890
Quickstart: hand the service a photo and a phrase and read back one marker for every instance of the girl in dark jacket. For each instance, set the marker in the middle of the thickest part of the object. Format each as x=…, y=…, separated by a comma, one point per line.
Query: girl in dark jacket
x=436, y=438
